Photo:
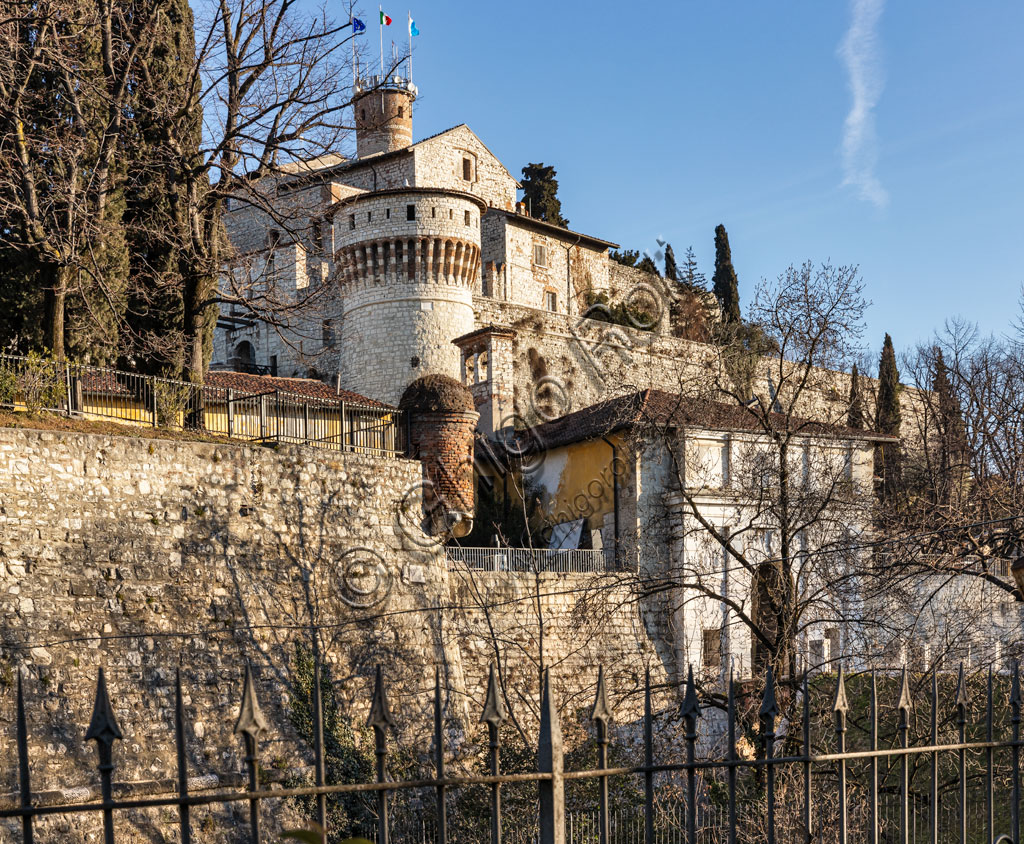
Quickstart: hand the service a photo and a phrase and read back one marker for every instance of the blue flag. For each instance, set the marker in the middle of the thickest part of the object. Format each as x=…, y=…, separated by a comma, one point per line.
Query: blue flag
x=358, y=25
x=412, y=27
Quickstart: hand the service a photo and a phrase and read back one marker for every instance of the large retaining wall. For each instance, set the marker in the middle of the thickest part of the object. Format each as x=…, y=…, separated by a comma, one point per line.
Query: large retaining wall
x=145, y=555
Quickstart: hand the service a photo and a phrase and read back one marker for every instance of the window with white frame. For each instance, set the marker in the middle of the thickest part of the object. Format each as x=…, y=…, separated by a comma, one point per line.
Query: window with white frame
x=540, y=255
x=551, y=301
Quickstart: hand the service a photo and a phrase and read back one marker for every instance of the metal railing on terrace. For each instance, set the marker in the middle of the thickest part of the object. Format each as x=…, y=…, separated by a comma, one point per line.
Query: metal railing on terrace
x=530, y=559
x=848, y=772
x=271, y=416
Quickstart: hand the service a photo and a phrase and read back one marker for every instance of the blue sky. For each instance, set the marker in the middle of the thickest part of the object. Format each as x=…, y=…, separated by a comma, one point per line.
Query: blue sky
x=665, y=119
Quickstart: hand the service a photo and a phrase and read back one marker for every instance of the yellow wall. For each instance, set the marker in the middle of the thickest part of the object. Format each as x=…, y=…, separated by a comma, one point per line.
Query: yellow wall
x=576, y=482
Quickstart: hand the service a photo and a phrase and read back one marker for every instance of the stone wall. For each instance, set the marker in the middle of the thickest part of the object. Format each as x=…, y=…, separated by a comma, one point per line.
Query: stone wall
x=143, y=555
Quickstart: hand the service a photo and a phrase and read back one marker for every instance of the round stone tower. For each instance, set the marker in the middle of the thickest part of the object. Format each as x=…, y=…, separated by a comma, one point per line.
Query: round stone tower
x=383, y=112
x=442, y=421
x=405, y=261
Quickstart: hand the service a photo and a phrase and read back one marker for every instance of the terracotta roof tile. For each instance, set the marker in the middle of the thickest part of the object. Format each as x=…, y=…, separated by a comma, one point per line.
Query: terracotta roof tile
x=662, y=408
x=249, y=383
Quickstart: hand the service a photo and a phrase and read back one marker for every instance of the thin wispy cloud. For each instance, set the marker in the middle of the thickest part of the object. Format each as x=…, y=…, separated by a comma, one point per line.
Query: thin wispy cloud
x=861, y=54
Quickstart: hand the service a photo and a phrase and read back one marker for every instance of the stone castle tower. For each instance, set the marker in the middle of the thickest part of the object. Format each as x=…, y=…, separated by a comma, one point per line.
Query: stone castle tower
x=406, y=259
x=383, y=112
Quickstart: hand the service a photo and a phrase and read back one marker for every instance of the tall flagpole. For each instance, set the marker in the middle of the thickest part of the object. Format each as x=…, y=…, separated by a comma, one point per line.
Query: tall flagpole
x=380, y=27
x=410, y=45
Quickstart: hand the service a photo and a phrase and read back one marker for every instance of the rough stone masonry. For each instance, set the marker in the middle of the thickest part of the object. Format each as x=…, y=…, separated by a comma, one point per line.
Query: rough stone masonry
x=146, y=555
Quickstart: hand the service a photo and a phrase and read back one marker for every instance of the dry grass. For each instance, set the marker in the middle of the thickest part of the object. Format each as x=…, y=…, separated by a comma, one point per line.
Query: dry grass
x=54, y=422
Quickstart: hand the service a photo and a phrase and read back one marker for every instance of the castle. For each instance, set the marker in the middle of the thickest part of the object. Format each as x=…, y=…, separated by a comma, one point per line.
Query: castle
x=420, y=244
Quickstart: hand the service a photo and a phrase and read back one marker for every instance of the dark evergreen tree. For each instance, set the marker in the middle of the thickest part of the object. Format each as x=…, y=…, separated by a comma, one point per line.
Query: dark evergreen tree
x=855, y=416
x=540, y=194
x=888, y=457
x=627, y=257
x=671, y=270
x=951, y=435
x=689, y=274
x=724, y=281
x=158, y=234
x=647, y=265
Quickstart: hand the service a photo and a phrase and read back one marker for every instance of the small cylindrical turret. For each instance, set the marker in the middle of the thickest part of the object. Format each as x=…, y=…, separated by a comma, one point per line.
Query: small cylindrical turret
x=383, y=115
x=442, y=422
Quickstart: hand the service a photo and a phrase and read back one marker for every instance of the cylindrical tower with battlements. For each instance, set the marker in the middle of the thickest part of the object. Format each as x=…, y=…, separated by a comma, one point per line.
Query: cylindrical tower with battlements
x=406, y=262
x=383, y=112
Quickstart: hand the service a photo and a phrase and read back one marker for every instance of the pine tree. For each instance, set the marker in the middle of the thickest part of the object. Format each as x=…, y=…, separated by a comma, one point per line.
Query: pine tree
x=647, y=265
x=888, y=457
x=540, y=194
x=855, y=417
x=627, y=257
x=671, y=270
x=690, y=275
x=724, y=281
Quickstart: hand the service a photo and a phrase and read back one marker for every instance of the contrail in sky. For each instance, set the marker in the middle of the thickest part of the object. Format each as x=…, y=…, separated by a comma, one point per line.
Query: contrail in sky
x=861, y=55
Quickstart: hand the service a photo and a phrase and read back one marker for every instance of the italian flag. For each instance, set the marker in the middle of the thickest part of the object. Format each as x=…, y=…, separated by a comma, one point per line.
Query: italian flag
x=384, y=20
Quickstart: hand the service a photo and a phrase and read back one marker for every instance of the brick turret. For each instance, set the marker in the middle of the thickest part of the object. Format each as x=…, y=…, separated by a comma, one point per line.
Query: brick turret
x=442, y=423
x=383, y=112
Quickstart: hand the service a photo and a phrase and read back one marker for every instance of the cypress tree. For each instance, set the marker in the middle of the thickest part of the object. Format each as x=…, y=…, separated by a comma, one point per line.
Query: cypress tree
x=159, y=235
x=952, y=433
x=724, y=281
x=888, y=458
x=887, y=414
x=540, y=193
x=855, y=417
x=671, y=270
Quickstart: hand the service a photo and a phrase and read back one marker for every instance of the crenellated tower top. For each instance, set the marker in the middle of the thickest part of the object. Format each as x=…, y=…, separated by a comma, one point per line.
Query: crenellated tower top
x=383, y=113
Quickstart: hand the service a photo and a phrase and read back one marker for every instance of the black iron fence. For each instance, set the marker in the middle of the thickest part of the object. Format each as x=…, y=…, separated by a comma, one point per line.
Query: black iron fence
x=264, y=415
x=786, y=785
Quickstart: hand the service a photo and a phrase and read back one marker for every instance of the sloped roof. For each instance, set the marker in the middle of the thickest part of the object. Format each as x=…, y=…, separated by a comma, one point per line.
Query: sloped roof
x=248, y=383
x=657, y=407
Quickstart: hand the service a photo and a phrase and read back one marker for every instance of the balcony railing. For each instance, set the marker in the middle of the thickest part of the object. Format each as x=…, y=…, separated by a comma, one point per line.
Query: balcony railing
x=530, y=560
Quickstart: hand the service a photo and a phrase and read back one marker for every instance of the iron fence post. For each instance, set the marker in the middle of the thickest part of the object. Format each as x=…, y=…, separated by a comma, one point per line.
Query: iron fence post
x=690, y=713
x=230, y=398
x=549, y=761
x=904, y=706
x=989, y=785
x=840, y=707
x=494, y=714
x=961, y=720
x=103, y=728
x=152, y=394
x=601, y=714
x=1015, y=699
x=648, y=762
x=251, y=724
x=732, y=757
x=318, y=747
x=934, y=818
x=179, y=736
x=380, y=719
x=873, y=772
x=768, y=711
x=442, y=809
x=24, y=784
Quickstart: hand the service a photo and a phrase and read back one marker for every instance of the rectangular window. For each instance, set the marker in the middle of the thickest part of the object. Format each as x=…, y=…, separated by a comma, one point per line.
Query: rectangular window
x=327, y=330
x=467, y=218
x=467, y=169
x=433, y=213
x=540, y=255
x=551, y=301
x=387, y=213
x=369, y=216
x=316, y=236
x=273, y=364
x=712, y=648
x=816, y=654
x=351, y=221
x=410, y=212
x=832, y=638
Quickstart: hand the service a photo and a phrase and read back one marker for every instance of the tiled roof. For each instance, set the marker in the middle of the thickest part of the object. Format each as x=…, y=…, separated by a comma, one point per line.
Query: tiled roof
x=249, y=383
x=669, y=410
